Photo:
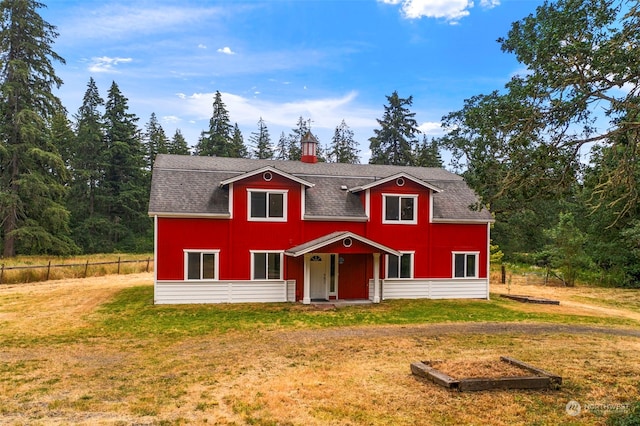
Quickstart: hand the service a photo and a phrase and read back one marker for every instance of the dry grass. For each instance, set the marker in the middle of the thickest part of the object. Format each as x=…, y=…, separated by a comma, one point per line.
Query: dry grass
x=40, y=268
x=581, y=300
x=471, y=368
x=279, y=376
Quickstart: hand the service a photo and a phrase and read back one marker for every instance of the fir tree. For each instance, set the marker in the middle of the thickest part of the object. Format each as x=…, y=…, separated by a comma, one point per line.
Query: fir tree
x=178, y=144
x=217, y=142
x=280, y=151
x=32, y=171
x=343, y=148
x=395, y=141
x=125, y=180
x=88, y=166
x=237, y=149
x=261, y=142
x=155, y=140
x=428, y=153
x=294, y=146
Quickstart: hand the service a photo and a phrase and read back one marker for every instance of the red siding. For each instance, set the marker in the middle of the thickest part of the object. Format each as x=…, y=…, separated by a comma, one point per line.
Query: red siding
x=433, y=244
x=447, y=238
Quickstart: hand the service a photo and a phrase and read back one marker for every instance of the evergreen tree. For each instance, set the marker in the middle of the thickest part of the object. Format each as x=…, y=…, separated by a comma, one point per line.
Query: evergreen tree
x=237, y=148
x=217, y=142
x=126, y=181
x=281, y=151
x=32, y=171
x=178, y=144
x=155, y=139
x=294, y=145
x=343, y=148
x=86, y=199
x=394, y=142
x=88, y=163
x=428, y=153
x=261, y=142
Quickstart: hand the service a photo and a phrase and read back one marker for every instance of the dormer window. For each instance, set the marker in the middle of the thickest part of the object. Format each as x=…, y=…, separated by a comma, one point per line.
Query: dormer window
x=399, y=209
x=267, y=205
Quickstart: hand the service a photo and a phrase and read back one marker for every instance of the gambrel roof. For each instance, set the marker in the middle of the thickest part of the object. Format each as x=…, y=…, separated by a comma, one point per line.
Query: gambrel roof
x=198, y=186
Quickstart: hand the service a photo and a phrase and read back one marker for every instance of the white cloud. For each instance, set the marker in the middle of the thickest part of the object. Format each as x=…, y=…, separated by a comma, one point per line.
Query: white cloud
x=171, y=119
x=106, y=64
x=431, y=128
x=226, y=50
x=489, y=4
x=450, y=10
x=119, y=20
x=202, y=46
x=325, y=113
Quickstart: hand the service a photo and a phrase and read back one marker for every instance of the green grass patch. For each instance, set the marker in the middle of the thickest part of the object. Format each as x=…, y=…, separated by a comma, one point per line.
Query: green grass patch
x=132, y=312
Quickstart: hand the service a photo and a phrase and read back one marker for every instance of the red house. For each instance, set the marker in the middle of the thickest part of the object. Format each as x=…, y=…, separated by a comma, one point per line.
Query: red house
x=238, y=230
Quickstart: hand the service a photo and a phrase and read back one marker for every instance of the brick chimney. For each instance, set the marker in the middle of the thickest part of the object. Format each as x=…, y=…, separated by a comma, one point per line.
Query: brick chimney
x=309, y=148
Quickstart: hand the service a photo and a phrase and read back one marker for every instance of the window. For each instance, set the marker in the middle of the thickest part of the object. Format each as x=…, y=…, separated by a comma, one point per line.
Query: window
x=399, y=209
x=465, y=265
x=201, y=265
x=266, y=266
x=400, y=267
x=267, y=205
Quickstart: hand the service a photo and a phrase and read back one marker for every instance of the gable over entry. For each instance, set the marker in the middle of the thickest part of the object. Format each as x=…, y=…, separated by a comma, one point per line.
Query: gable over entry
x=315, y=283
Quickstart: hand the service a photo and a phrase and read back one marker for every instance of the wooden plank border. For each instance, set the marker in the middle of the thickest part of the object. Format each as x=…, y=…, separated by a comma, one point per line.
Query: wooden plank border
x=541, y=380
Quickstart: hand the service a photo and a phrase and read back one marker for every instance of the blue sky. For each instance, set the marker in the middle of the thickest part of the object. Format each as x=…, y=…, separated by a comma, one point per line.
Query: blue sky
x=324, y=60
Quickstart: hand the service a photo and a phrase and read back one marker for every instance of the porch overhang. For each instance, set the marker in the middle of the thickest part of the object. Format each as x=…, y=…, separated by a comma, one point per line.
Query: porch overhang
x=334, y=237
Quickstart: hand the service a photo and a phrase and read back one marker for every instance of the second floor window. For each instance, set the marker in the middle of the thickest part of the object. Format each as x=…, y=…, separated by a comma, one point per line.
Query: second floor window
x=400, y=209
x=267, y=205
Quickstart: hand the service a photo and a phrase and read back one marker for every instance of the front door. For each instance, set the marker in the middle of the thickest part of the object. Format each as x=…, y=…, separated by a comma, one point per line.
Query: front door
x=318, y=287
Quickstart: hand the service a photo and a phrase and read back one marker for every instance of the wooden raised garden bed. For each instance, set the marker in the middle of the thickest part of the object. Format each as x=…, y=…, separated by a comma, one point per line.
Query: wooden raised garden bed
x=530, y=299
x=519, y=375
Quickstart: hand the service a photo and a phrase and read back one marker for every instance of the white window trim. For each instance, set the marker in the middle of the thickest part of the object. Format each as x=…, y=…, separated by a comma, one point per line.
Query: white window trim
x=280, y=252
x=284, y=193
x=216, y=264
x=386, y=266
x=414, y=221
x=476, y=273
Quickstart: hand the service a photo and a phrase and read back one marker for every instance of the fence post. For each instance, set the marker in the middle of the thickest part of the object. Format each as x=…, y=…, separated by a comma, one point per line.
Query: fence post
x=48, y=270
x=1, y=273
x=148, y=260
x=86, y=268
x=118, y=265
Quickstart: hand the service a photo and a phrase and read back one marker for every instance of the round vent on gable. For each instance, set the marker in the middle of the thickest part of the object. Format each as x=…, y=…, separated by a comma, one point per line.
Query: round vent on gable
x=267, y=176
x=347, y=242
x=400, y=182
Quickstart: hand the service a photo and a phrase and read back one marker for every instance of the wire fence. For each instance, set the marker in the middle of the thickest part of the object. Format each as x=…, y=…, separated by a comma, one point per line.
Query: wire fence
x=81, y=270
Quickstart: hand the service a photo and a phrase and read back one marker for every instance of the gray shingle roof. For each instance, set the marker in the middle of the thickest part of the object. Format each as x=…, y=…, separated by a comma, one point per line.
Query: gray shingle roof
x=184, y=184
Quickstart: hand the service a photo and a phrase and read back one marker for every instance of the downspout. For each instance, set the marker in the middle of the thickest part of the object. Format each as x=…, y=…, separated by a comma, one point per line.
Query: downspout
x=155, y=255
x=488, y=257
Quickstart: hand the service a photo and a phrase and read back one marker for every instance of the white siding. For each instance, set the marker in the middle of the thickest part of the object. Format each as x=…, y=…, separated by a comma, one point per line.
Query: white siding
x=177, y=292
x=435, y=289
x=291, y=290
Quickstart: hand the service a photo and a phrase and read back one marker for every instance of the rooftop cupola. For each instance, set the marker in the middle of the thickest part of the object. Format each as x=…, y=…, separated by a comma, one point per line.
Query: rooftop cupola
x=309, y=148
